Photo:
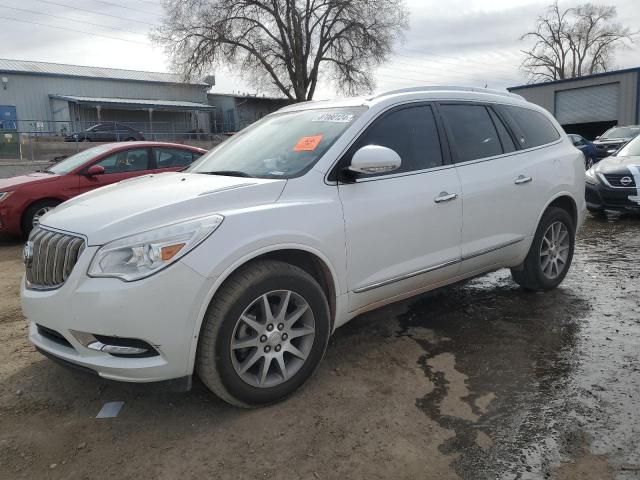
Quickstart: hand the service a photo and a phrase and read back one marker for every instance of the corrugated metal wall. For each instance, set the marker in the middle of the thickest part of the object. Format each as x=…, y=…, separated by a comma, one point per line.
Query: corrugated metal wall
x=627, y=110
x=30, y=93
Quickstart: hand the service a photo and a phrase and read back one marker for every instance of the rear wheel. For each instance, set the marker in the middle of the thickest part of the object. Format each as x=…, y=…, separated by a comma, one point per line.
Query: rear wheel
x=551, y=252
x=264, y=334
x=33, y=214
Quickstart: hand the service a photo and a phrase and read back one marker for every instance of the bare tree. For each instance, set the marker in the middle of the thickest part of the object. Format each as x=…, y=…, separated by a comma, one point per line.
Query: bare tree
x=284, y=45
x=573, y=42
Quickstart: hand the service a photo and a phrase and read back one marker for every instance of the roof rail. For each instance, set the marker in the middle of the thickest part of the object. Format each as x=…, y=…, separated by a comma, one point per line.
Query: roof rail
x=502, y=93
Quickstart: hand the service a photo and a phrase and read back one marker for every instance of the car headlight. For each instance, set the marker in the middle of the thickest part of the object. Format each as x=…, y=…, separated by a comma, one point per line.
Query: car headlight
x=591, y=177
x=144, y=254
x=4, y=195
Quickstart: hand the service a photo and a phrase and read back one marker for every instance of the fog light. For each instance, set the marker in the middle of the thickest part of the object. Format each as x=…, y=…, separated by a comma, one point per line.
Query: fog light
x=116, y=349
x=116, y=346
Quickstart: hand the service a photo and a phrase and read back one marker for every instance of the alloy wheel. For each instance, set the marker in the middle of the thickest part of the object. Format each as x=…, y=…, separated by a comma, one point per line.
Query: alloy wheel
x=272, y=338
x=39, y=213
x=554, y=250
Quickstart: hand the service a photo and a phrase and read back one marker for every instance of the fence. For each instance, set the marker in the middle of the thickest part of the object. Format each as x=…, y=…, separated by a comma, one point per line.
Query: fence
x=55, y=139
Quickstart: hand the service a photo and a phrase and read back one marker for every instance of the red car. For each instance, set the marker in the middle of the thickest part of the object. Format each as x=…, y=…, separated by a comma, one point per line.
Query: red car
x=25, y=198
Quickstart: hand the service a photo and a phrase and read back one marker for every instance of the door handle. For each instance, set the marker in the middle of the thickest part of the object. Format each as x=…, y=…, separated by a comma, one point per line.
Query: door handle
x=521, y=180
x=445, y=197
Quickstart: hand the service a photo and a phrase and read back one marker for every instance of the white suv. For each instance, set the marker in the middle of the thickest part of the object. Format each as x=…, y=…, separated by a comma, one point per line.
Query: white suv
x=240, y=267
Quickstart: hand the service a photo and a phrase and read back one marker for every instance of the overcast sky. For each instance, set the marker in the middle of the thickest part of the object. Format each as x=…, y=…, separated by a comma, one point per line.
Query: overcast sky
x=461, y=42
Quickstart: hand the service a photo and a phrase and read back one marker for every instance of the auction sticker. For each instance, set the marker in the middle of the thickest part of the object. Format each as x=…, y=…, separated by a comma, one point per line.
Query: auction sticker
x=335, y=118
x=308, y=144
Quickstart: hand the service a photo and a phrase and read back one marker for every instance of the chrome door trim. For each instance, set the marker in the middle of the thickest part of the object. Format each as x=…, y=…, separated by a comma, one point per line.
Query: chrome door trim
x=406, y=276
x=479, y=253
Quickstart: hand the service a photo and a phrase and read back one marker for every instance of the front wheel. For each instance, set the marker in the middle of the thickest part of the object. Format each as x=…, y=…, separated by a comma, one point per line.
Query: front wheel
x=551, y=252
x=32, y=215
x=264, y=334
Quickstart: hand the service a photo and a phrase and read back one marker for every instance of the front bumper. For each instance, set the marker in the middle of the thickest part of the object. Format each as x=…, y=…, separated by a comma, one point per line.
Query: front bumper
x=161, y=310
x=601, y=197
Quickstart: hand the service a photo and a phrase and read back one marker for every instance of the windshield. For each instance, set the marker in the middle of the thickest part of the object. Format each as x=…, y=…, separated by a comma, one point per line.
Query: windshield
x=621, y=132
x=280, y=146
x=631, y=149
x=70, y=164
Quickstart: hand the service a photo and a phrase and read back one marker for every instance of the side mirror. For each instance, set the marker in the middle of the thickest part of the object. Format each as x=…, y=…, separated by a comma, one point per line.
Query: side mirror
x=95, y=170
x=374, y=159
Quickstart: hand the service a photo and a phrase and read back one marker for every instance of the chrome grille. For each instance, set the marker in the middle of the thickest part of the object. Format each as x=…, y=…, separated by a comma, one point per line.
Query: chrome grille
x=54, y=255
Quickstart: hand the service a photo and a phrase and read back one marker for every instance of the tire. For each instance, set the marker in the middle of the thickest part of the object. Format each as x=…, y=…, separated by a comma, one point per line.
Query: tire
x=36, y=209
x=530, y=275
x=130, y=139
x=219, y=364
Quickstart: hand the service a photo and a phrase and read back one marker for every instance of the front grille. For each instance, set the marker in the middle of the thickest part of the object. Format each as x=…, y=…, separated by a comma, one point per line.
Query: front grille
x=54, y=336
x=54, y=255
x=614, y=180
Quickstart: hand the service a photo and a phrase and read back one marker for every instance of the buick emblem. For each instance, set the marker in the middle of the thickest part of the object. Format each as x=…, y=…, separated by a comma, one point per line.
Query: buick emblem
x=27, y=254
x=626, y=181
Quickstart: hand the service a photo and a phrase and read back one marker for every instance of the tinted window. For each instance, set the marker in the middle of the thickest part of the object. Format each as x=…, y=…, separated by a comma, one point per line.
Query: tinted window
x=126, y=161
x=534, y=128
x=410, y=132
x=172, y=157
x=474, y=134
x=105, y=127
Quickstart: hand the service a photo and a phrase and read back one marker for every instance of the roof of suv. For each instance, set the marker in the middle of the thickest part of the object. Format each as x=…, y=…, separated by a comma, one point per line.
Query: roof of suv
x=442, y=92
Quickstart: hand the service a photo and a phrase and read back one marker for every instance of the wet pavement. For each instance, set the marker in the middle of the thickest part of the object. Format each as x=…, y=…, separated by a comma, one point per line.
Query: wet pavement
x=478, y=381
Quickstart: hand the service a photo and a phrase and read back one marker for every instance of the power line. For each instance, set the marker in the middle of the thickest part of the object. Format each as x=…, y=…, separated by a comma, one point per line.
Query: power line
x=97, y=13
x=71, y=19
x=111, y=4
x=429, y=54
x=74, y=30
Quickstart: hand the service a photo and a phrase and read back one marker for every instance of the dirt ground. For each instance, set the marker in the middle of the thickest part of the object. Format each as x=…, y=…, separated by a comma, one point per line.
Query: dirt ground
x=478, y=381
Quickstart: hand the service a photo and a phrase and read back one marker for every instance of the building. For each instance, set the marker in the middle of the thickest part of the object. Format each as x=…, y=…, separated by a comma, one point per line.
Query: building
x=41, y=98
x=591, y=104
x=234, y=112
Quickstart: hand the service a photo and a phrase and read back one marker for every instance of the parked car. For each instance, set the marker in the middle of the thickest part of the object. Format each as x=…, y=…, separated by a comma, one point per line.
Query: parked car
x=106, y=132
x=240, y=267
x=614, y=139
x=614, y=183
x=25, y=198
x=587, y=148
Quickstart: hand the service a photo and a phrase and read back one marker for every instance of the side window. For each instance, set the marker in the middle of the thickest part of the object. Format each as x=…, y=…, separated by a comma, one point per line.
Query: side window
x=132, y=160
x=474, y=134
x=535, y=129
x=172, y=157
x=508, y=145
x=411, y=132
x=106, y=127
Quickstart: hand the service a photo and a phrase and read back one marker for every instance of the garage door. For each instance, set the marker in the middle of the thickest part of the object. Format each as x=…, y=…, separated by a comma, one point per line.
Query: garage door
x=588, y=104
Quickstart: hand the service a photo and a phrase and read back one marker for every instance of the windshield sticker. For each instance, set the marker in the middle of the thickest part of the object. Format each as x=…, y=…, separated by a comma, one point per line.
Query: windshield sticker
x=308, y=144
x=335, y=118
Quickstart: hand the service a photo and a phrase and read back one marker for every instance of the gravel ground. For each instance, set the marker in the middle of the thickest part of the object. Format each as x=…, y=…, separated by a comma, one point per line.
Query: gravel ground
x=477, y=381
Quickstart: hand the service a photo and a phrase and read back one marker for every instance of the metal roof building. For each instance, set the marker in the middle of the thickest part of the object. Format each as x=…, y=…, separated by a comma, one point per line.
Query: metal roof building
x=55, y=98
x=591, y=104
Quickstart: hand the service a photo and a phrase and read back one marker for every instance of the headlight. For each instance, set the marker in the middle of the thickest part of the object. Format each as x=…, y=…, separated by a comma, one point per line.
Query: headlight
x=141, y=255
x=4, y=195
x=591, y=176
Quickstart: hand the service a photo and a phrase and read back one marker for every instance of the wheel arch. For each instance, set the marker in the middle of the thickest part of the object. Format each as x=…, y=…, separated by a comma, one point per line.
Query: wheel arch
x=566, y=202
x=302, y=256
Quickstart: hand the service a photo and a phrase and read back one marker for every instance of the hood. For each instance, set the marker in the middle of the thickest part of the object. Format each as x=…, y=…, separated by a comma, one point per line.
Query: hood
x=9, y=184
x=147, y=202
x=617, y=165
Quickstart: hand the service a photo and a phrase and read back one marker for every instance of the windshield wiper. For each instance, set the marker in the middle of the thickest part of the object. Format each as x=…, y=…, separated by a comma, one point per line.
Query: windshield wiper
x=228, y=173
x=46, y=171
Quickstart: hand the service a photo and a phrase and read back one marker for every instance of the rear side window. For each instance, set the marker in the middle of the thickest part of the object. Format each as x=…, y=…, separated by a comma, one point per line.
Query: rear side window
x=474, y=133
x=172, y=157
x=534, y=129
x=411, y=132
